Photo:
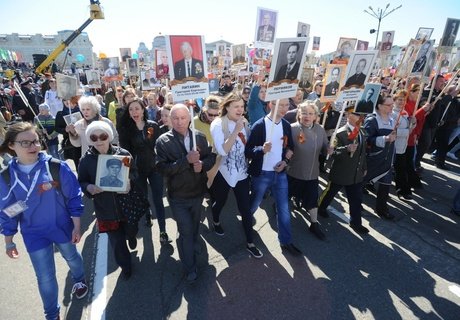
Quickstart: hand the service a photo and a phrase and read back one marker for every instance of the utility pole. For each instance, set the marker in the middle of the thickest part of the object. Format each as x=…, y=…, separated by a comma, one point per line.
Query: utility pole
x=379, y=15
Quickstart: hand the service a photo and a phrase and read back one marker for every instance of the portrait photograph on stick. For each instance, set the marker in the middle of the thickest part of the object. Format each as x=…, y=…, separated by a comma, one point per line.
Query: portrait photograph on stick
x=407, y=62
x=133, y=67
x=424, y=34
x=162, y=63
x=288, y=57
x=93, y=78
x=359, y=69
x=149, y=80
x=422, y=57
x=334, y=77
x=303, y=30
x=239, y=54
x=265, y=28
x=366, y=103
x=112, y=173
x=450, y=32
x=387, y=40
x=344, y=49
x=66, y=86
x=125, y=54
x=187, y=55
x=362, y=45
x=111, y=67
x=72, y=118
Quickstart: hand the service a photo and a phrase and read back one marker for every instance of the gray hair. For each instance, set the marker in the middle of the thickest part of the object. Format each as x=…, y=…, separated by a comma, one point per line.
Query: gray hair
x=91, y=102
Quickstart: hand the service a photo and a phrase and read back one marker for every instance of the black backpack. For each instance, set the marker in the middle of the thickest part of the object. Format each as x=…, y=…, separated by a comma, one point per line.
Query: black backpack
x=54, y=165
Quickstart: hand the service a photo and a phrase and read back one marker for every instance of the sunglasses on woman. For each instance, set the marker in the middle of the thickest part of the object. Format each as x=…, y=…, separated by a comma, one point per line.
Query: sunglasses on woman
x=102, y=137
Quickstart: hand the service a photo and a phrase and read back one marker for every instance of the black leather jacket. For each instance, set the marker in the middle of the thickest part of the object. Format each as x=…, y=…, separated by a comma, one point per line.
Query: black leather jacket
x=171, y=162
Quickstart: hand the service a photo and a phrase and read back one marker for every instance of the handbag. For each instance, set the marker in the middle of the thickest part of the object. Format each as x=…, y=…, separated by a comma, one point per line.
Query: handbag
x=133, y=205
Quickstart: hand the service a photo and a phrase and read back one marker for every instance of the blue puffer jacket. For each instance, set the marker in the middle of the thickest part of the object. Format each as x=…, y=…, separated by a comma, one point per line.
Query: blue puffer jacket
x=48, y=216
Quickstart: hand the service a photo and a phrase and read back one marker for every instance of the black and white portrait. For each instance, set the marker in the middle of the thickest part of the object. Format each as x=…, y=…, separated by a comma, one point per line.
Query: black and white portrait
x=450, y=32
x=112, y=173
x=424, y=34
x=66, y=86
x=359, y=68
x=366, y=103
x=266, y=25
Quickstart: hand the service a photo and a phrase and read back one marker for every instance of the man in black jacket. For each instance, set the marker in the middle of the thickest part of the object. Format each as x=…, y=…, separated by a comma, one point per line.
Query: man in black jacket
x=20, y=107
x=185, y=171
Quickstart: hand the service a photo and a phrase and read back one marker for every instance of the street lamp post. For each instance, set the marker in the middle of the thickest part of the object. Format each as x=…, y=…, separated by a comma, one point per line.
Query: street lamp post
x=379, y=15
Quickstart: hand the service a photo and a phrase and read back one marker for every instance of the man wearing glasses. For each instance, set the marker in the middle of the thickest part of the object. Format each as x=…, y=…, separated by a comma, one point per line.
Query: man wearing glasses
x=207, y=114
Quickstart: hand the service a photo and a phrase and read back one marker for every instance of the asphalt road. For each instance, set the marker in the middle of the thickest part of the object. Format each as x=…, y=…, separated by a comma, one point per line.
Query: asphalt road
x=404, y=269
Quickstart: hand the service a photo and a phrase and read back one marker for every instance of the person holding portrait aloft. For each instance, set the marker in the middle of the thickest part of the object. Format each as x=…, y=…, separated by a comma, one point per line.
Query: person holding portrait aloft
x=347, y=170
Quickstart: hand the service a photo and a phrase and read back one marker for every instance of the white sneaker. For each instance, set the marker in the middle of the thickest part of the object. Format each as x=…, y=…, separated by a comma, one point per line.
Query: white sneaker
x=452, y=156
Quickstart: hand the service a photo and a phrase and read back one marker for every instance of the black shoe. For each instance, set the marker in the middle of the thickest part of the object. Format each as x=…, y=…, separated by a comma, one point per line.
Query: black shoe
x=386, y=215
x=315, y=229
x=442, y=166
x=148, y=222
x=404, y=196
x=359, y=229
x=457, y=213
x=132, y=243
x=370, y=187
x=256, y=253
x=218, y=229
x=323, y=213
x=164, y=239
x=292, y=249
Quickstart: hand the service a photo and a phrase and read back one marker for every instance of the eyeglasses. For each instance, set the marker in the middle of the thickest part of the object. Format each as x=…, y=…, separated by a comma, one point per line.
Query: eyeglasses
x=28, y=143
x=212, y=115
x=245, y=92
x=102, y=137
x=387, y=104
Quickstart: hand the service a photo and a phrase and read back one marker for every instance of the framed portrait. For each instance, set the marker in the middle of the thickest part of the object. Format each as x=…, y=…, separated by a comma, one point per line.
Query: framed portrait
x=344, y=49
x=149, y=80
x=367, y=102
x=111, y=67
x=429, y=66
x=187, y=58
x=125, y=54
x=93, y=78
x=67, y=86
x=450, y=32
x=424, y=34
x=387, y=41
x=72, y=118
x=288, y=59
x=239, y=54
x=133, y=68
x=358, y=69
x=334, y=77
x=266, y=22
x=303, y=30
x=407, y=62
x=422, y=57
x=161, y=60
x=112, y=173
x=213, y=85
x=306, y=78
x=316, y=43
x=362, y=45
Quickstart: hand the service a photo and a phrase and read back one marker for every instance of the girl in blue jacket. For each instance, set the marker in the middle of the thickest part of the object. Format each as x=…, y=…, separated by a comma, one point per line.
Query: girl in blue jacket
x=47, y=207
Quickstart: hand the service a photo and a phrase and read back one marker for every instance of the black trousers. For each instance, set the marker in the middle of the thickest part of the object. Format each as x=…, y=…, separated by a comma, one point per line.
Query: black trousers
x=219, y=194
x=354, y=196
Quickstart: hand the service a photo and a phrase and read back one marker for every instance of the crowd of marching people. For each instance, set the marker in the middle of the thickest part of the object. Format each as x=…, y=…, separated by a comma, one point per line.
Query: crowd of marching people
x=241, y=142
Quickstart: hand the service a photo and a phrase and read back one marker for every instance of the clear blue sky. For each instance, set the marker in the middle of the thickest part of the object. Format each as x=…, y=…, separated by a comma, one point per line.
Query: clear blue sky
x=129, y=22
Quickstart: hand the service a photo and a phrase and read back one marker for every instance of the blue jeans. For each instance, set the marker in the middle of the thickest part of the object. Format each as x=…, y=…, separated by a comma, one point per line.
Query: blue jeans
x=278, y=185
x=156, y=185
x=45, y=271
x=187, y=213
